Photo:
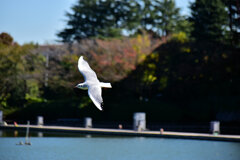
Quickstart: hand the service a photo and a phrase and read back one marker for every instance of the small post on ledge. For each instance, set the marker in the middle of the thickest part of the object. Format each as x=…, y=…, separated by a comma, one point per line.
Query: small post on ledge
x=139, y=121
x=215, y=127
x=40, y=120
x=88, y=122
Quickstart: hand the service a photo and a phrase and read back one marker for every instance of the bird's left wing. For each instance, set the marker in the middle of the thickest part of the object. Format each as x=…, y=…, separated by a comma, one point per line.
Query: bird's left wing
x=85, y=69
x=95, y=93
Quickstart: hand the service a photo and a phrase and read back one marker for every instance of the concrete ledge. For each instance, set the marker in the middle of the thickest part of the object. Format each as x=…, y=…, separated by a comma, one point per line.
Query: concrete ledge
x=123, y=132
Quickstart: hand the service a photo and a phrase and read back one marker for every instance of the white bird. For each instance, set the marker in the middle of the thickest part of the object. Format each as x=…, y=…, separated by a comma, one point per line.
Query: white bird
x=91, y=83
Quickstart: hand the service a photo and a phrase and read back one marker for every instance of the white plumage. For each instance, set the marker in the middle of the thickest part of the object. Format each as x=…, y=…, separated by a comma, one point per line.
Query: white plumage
x=91, y=83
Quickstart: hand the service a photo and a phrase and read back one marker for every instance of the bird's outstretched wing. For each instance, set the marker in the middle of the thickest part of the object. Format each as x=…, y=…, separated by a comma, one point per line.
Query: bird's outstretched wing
x=87, y=72
x=95, y=93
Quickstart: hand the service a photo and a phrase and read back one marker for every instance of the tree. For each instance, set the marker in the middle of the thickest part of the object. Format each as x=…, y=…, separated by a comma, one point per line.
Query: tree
x=20, y=72
x=98, y=18
x=110, y=18
x=209, y=20
x=6, y=39
x=168, y=16
x=234, y=20
x=183, y=25
x=148, y=13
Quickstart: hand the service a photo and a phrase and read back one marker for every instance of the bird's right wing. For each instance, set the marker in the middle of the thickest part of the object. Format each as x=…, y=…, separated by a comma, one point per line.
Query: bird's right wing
x=87, y=72
x=95, y=93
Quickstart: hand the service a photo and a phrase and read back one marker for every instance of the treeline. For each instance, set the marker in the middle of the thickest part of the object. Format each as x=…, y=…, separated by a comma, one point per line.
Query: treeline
x=217, y=20
x=44, y=83
x=115, y=18
x=172, y=67
x=20, y=73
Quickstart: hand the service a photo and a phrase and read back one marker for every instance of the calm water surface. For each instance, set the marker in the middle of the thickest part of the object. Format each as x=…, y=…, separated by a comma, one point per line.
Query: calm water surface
x=116, y=148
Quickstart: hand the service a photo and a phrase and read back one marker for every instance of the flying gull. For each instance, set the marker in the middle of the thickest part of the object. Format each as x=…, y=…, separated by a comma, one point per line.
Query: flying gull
x=91, y=83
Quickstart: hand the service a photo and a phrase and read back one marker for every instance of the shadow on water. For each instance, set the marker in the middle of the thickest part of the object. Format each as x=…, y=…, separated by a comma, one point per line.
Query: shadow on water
x=22, y=133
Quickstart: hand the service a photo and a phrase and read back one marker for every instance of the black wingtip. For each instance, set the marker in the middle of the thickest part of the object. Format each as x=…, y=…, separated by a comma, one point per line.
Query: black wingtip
x=102, y=106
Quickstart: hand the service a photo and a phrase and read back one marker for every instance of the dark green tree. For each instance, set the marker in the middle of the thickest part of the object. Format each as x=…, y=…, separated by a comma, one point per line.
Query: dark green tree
x=209, y=20
x=147, y=11
x=6, y=39
x=109, y=18
x=234, y=20
x=168, y=16
x=183, y=25
x=98, y=18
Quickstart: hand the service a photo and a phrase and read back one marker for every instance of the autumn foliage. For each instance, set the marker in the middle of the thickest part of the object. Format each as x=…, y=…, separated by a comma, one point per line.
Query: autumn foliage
x=112, y=59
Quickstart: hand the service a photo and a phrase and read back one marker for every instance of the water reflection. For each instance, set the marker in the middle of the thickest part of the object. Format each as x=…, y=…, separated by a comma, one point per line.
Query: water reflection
x=32, y=133
x=88, y=136
x=15, y=133
x=40, y=134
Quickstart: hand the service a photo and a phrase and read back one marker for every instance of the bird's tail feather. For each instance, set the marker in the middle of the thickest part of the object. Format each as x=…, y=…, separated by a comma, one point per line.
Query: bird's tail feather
x=106, y=85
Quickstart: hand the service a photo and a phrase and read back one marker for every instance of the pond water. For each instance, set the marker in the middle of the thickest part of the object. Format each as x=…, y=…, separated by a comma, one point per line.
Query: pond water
x=90, y=147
